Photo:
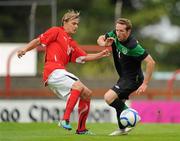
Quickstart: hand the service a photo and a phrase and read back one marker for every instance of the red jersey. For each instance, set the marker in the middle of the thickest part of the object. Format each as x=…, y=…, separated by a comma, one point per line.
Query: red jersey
x=60, y=50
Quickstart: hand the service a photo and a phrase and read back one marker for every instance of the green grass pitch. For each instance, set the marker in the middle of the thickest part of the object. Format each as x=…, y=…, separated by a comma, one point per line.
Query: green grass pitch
x=50, y=132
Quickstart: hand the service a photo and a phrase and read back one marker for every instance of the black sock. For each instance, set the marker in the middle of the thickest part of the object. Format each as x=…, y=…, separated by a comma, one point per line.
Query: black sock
x=119, y=105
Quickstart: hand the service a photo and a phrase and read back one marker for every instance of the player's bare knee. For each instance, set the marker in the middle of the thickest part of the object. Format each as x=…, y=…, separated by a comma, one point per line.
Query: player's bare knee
x=78, y=86
x=86, y=94
x=106, y=98
x=89, y=93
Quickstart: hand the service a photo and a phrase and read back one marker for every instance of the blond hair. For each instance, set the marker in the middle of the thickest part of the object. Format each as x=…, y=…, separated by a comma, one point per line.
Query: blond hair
x=125, y=22
x=70, y=15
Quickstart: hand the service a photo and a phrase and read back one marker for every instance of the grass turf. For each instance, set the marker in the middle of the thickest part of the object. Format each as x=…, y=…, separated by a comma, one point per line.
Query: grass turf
x=50, y=132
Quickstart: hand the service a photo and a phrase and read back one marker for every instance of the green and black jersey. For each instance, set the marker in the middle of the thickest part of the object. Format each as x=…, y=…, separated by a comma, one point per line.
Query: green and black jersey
x=128, y=56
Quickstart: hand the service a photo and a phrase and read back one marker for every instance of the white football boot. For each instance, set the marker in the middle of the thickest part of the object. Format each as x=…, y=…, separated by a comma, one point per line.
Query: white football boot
x=121, y=132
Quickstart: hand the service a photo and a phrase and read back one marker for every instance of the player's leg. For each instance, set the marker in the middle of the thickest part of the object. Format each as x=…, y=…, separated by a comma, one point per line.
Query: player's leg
x=83, y=111
x=63, y=84
x=72, y=100
x=116, y=98
x=113, y=100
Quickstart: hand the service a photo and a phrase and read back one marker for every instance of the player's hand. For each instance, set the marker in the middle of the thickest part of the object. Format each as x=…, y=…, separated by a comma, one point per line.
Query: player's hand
x=109, y=41
x=105, y=53
x=141, y=89
x=20, y=53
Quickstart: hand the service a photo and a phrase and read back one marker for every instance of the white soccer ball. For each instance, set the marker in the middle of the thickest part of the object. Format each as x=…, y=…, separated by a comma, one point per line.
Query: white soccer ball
x=129, y=117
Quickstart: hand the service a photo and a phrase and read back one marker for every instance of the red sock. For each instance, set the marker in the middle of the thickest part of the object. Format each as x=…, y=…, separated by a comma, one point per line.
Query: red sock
x=70, y=104
x=83, y=111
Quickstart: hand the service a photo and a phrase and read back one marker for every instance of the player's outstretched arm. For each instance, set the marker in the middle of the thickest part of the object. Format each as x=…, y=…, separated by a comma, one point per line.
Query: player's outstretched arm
x=96, y=56
x=150, y=64
x=103, y=41
x=31, y=45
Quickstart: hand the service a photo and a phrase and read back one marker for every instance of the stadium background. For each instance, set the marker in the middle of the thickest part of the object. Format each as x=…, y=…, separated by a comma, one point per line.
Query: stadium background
x=155, y=23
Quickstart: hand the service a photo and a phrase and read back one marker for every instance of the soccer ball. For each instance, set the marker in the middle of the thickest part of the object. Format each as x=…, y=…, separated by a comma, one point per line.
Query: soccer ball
x=129, y=117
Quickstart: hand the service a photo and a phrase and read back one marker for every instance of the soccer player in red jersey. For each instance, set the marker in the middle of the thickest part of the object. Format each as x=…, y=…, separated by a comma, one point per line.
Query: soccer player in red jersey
x=60, y=50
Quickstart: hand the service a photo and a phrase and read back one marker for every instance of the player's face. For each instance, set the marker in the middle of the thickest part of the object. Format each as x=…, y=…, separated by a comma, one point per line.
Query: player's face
x=121, y=32
x=71, y=26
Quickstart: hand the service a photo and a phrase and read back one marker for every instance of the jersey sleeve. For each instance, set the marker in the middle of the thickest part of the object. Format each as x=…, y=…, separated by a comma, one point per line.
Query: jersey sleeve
x=49, y=36
x=78, y=54
x=141, y=53
x=110, y=34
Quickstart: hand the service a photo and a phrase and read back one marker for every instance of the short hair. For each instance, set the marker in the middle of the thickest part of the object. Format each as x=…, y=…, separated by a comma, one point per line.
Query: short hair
x=70, y=15
x=125, y=22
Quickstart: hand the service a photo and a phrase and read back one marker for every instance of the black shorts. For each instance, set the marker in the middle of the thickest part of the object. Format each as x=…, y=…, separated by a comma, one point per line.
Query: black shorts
x=125, y=87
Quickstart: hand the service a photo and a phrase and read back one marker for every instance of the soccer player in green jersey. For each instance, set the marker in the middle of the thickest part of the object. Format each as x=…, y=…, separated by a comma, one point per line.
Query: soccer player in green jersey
x=128, y=55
